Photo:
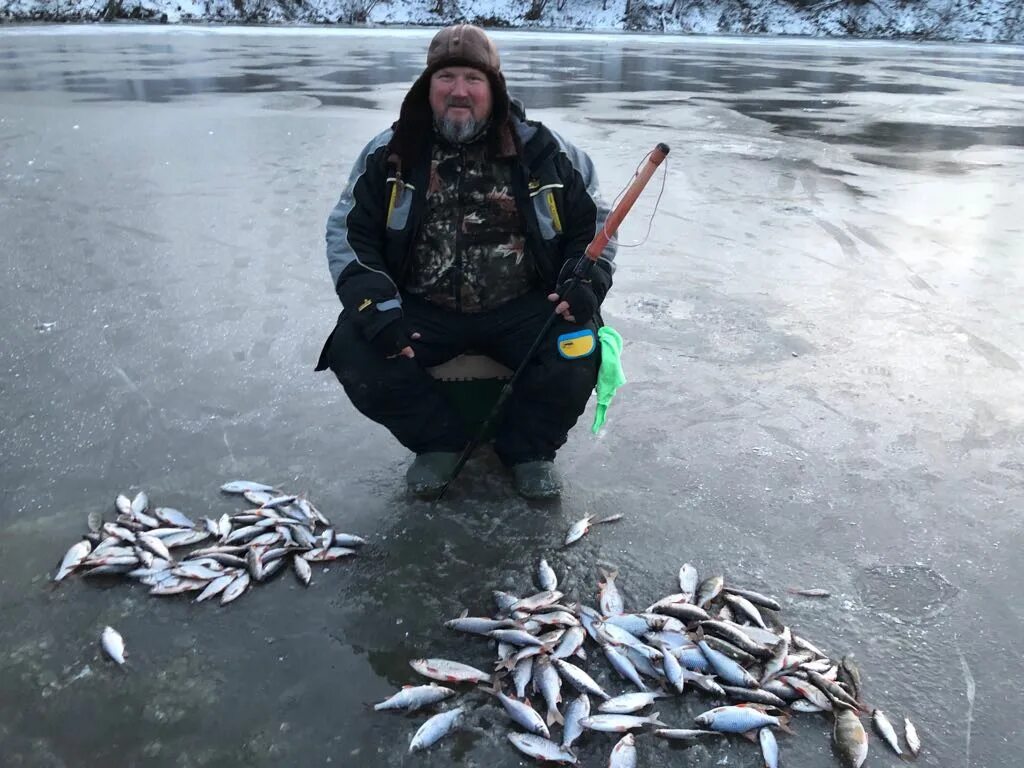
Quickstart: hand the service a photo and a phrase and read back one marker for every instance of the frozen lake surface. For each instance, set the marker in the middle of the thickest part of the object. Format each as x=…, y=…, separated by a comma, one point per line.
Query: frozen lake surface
x=825, y=340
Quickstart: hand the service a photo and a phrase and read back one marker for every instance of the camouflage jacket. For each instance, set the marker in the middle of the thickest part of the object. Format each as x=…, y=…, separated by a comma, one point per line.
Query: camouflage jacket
x=470, y=254
x=387, y=223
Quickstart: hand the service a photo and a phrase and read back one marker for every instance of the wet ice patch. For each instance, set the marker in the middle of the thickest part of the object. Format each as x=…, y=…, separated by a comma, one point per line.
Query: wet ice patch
x=906, y=593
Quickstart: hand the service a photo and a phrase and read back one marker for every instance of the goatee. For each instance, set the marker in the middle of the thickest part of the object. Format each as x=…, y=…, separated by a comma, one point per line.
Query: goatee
x=459, y=132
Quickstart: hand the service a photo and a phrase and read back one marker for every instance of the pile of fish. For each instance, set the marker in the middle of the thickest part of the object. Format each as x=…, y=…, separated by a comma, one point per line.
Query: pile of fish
x=725, y=642
x=149, y=544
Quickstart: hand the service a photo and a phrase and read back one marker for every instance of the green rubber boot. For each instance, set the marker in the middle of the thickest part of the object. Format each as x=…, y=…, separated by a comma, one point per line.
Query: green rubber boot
x=537, y=480
x=429, y=472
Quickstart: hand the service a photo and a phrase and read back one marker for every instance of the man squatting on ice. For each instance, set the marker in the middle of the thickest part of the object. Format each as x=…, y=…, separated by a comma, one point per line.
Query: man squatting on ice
x=457, y=230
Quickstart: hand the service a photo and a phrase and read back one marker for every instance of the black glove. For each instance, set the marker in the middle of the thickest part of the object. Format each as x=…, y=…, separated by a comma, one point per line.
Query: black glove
x=362, y=294
x=585, y=296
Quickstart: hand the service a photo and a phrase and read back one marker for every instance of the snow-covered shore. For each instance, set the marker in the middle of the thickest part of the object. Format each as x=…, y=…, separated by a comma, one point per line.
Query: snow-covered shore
x=967, y=20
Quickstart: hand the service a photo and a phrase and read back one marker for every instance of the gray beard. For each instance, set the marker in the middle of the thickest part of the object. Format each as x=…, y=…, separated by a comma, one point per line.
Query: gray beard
x=459, y=133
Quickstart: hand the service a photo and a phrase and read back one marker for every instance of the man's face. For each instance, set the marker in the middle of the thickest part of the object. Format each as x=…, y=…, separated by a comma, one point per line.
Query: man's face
x=460, y=98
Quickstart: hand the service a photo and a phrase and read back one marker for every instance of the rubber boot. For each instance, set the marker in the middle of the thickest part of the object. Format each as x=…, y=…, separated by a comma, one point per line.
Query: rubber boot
x=429, y=472
x=536, y=480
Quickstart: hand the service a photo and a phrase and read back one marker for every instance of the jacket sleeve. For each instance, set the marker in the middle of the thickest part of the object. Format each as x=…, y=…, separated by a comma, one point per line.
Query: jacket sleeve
x=585, y=211
x=356, y=226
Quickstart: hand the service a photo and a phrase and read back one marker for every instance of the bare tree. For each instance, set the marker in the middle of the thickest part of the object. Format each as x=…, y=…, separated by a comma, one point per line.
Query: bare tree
x=112, y=11
x=536, y=9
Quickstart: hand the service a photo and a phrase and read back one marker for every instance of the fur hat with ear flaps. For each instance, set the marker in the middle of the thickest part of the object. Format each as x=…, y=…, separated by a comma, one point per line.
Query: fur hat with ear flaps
x=462, y=45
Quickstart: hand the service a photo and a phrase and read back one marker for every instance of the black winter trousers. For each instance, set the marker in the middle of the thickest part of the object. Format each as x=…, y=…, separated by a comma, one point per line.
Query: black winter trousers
x=400, y=395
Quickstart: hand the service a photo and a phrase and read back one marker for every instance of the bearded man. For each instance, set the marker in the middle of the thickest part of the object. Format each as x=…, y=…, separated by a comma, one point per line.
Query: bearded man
x=457, y=231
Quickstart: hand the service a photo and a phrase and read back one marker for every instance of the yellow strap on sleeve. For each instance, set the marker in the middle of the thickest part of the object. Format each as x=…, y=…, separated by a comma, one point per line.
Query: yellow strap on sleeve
x=555, y=219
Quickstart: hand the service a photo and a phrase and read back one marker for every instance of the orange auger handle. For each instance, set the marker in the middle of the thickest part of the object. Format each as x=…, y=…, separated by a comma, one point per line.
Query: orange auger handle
x=611, y=224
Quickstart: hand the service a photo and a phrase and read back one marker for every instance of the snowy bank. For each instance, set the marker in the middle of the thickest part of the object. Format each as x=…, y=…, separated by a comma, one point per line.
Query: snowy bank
x=973, y=20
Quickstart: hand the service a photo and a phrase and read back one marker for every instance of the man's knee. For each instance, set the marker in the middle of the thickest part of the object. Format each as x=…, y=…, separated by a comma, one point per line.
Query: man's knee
x=371, y=382
x=558, y=375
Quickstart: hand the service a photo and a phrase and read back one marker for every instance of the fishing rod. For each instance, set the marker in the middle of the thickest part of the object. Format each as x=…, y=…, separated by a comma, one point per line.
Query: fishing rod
x=580, y=272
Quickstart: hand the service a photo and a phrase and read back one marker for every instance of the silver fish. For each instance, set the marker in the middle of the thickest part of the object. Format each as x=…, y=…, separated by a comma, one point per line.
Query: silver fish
x=311, y=512
x=807, y=645
x=175, y=585
x=259, y=498
x=348, y=540
x=809, y=691
x=685, y=734
x=673, y=670
x=144, y=557
x=835, y=692
x=540, y=748
x=850, y=739
x=112, y=529
x=194, y=570
x=886, y=731
x=776, y=661
x=272, y=567
x=268, y=539
x=753, y=695
x=709, y=589
x=726, y=668
x=515, y=637
x=113, y=644
x=163, y=533
x=327, y=538
x=236, y=588
x=157, y=546
x=547, y=681
x=95, y=521
x=610, y=599
x=72, y=559
x=577, y=709
x=277, y=502
x=304, y=538
x=579, y=529
x=538, y=601
x=446, y=671
x=746, y=607
x=769, y=748
x=139, y=504
x=805, y=706
x=159, y=566
x=546, y=577
x=813, y=592
x=436, y=728
x=505, y=601
x=244, y=534
x=521, y=675
x=555, y=618
x=411, y=698
x=241, y=486
x=913, y=740
x=216, y=586
x=123, y=505
x=579, y=679
x=571, y=642
x=755, y=597
x=619, y=723
x=621, y=664
x=523, y=714
x=688, y=580
x=172, y=516
x=679, y=606
x=738, y=719
x=186, y=539
x=623, y=753
x=302, y=569
x=628, y=703
x=324, y=556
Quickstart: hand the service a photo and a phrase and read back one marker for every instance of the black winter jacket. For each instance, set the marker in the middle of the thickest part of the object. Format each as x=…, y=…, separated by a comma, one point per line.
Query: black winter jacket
x=374, y=226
